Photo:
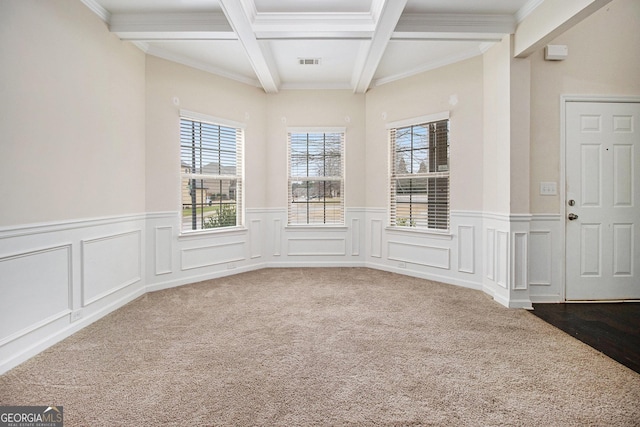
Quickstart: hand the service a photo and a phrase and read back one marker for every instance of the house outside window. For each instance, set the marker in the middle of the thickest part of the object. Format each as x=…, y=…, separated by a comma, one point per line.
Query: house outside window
x=211, y=172
x=419, y=173
x=316, y=176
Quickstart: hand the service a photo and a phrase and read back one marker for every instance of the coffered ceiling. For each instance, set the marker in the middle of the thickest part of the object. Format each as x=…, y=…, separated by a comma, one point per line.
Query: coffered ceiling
x=313, y=44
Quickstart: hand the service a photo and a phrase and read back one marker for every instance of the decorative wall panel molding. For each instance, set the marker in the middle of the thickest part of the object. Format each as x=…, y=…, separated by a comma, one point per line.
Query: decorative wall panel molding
x=376, y=238
x=35, y=289
x=502, y=259
x=164, y=250
x=109, y=264
x=318, y=246
x=490, y=254
x=540, y=258
x=255, y=234
x=355, y=237
x=430, y=256
x=520, y=261
x=466, y=249
x=205, y=256
x=54, y=227
x=481, y=245
x=277, y=237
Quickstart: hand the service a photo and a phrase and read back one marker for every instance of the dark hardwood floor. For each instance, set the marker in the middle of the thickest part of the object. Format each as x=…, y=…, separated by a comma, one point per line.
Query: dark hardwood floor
x=612, y=328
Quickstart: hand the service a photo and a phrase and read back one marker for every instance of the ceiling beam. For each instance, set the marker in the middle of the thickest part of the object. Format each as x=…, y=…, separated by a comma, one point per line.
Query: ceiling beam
x=388, y=13
x=456, y=23
x=350, y=25
x=550, y=19
x=171, y=26
x=260, y=59
x=451, y=37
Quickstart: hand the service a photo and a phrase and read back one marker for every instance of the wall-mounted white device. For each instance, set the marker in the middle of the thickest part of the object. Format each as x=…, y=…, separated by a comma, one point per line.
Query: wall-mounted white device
x=556, y=52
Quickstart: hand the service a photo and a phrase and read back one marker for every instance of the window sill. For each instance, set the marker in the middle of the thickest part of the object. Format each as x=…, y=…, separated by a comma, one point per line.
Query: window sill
x=226, y=231
x=316, y=228
x=412, y=231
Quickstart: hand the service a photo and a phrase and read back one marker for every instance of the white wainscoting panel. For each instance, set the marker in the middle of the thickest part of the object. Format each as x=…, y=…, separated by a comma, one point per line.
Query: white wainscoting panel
x=502, y=259
x=35, y=289
x=520, y=261
x=430, y=256
x=76, y=268
x=163, y=250
x=277, y=237
x=466, y=249
x=490, y=254
x=255, y=234
x=316, y=246
x=376, y=238
x=51, y=273
x=205, y=256
x=540, y=258
x=355, y=237
x=109, y=264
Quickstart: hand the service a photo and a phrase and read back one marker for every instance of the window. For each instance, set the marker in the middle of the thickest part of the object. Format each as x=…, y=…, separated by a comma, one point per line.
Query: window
x=316, y=184
x=211, y=173
x=420, y=174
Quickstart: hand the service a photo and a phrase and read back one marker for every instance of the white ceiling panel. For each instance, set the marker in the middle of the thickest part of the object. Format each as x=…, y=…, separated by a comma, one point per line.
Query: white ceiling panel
x=409, y=57
x=218, y=56
x=312, y=6
x=336, y=62
x=359, y=43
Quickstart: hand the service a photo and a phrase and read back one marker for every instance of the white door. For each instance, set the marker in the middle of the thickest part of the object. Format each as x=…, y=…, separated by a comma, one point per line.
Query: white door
x=603, y=199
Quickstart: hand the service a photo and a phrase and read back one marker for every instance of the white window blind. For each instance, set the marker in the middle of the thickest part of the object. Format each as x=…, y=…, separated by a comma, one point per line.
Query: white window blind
x=316, y=183
x=419, y=178
x=211, y=174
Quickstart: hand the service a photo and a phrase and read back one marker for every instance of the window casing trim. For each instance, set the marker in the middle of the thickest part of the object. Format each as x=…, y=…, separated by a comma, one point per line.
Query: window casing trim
x=240, y=178
x=212, y=120
x=227, y=231
x=392, y=127
x=436, y=117
x=342, y=131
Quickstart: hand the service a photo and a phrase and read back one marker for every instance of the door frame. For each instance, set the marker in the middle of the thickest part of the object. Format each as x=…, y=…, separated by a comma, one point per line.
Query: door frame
x=564, y=99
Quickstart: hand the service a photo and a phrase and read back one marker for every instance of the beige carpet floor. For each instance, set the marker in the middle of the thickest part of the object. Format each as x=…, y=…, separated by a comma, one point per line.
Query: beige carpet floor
x=325, y=347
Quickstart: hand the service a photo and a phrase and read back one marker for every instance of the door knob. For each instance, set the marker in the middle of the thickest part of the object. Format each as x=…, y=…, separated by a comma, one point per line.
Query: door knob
x=572, y=216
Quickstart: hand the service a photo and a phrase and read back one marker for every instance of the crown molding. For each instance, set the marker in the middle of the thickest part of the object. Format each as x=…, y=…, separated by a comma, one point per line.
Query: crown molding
x=96, y=8
x=526, y=9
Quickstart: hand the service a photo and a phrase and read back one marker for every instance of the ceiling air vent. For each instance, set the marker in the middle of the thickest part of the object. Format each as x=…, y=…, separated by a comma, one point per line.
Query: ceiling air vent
x=309, y=61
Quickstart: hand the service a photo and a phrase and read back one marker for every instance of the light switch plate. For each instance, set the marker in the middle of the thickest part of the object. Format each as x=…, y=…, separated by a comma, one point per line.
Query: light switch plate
x=548, y=188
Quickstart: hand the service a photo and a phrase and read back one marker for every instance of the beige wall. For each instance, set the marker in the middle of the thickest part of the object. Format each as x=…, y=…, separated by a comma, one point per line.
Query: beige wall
x=315, y=108
x=456, y=88
x=72, y=115
x=89, y=127
x=266, y=118
x=203, y=93
x=497, y=128
x=603, y=60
